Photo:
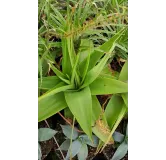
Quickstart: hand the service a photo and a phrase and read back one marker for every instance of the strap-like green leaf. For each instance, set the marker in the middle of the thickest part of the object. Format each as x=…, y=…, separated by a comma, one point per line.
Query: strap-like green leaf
x=125, y=98
x=113, y=109
x=103, y=85
x=48, y=82
x=80, y=104
x=66, y=64
x=55, y=91
x=51, y=105
x=59, y=73
x=100, y=127
x=75, y=73
x=120, y=117
x=94, y=72
x=105, y=48
x=123, y=76
x=85, y=49
x=96, y=108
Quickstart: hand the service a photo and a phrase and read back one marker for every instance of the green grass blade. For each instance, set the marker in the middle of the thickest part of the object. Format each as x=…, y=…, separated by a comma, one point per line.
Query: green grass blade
x=104, y=85
x=58, y=15
x=80, y=104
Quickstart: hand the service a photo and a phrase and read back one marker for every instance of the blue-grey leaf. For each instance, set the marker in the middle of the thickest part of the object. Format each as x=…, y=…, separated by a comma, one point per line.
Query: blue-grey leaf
x=83, y=153
x=74, y=149
x=67, y=130
x=118, y=137
x=120, y=152
x=39, y=152
x=65, y=145
x=86, y=140
x=45, y=134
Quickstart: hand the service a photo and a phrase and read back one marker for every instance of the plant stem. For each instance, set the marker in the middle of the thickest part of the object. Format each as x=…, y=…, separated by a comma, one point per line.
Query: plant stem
x=55, y=141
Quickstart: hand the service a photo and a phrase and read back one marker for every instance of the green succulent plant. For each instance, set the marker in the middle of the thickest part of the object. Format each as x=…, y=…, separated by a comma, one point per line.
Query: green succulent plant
x=83, y=75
